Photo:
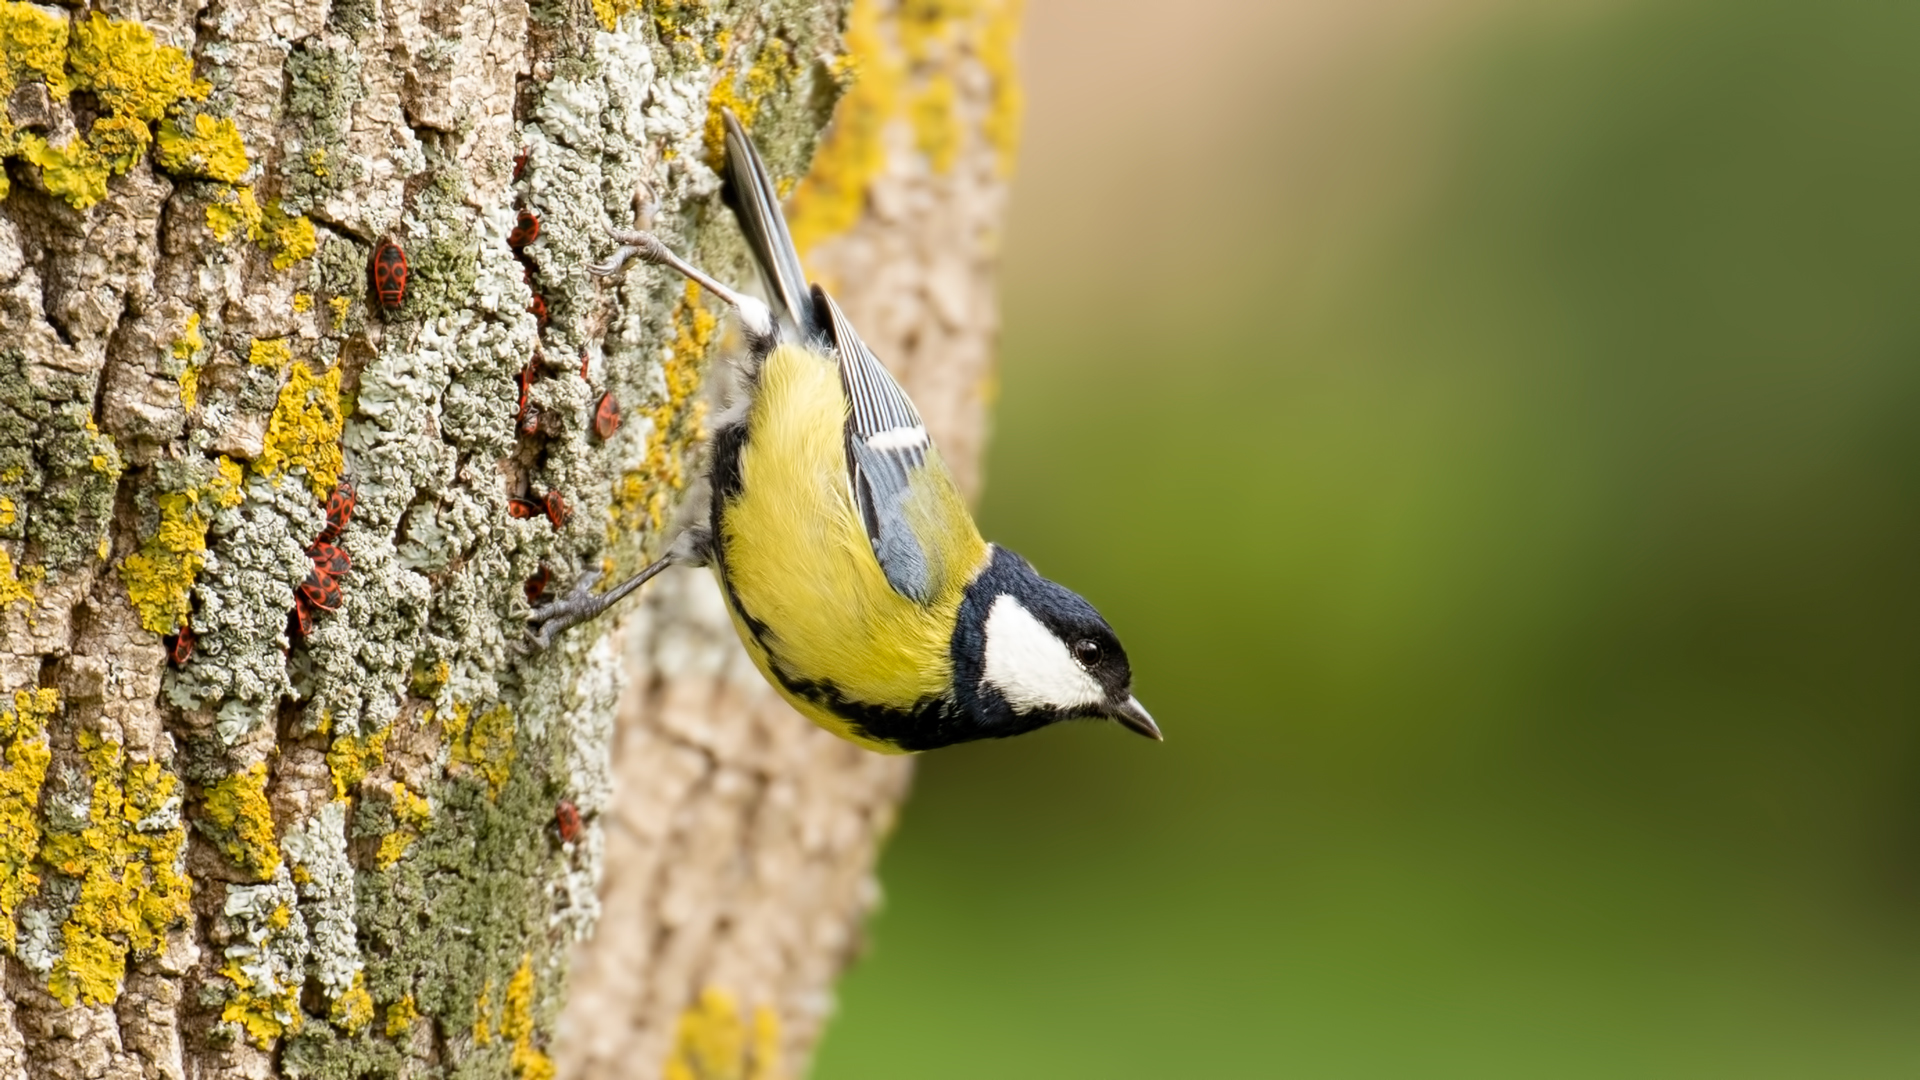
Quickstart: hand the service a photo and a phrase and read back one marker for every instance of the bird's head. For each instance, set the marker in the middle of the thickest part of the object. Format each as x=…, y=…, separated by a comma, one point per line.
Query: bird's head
x=1030, y=652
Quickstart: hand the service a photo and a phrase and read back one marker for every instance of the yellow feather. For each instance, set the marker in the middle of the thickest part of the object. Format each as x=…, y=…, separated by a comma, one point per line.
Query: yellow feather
x=798, y=560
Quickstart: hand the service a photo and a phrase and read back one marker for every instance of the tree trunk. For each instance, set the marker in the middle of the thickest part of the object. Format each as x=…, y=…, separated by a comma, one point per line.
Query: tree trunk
x=231, y=846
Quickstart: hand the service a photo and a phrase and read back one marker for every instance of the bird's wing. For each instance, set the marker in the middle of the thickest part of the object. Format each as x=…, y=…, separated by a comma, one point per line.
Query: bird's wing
x=756, y=202
x=886, y=444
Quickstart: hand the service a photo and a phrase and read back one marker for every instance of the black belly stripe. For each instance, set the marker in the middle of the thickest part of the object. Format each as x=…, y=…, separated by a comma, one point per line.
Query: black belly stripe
x=932, y=722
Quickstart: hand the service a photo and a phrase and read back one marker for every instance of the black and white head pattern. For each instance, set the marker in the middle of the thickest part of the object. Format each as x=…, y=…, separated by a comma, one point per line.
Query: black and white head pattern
x=1044, y=654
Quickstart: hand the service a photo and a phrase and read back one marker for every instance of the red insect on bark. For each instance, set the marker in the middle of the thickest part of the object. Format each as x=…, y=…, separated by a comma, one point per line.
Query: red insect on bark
x=519, y=164
x=606, y=417
x=531, y=422
x=302, y=617
x=583, y=364
x=537, y=584
x=340, y=506
x=525, y=379
x=557, y=510
x=526, y=229
x=180, y=649
x=539, y=309
x=524, y=508
x=320, y=592
x=566, y=819
x=329, y=560
x=390, y=275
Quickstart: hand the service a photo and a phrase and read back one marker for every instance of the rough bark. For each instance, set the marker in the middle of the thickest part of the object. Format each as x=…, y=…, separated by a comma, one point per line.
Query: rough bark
x=349, y=852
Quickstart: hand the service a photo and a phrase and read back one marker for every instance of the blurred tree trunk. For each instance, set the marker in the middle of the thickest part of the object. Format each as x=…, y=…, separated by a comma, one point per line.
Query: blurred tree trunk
x=352, y=852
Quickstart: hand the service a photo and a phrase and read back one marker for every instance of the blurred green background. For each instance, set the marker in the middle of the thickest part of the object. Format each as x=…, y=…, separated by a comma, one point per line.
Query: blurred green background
x=1492, y=426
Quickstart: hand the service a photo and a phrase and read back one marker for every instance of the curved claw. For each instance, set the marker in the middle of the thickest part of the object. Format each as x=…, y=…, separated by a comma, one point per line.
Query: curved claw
x=550, y=620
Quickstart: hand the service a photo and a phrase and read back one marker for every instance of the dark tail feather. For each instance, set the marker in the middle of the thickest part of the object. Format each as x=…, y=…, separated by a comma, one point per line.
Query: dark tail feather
x=756, y=203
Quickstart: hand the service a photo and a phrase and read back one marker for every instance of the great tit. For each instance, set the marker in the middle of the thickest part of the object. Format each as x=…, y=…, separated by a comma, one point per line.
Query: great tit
x=854, y=574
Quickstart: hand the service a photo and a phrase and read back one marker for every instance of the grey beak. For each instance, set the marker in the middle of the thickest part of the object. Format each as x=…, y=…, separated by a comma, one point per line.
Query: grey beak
x=1134, y=716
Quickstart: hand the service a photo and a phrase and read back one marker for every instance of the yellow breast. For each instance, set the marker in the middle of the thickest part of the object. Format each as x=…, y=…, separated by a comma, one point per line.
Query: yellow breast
x=797, y=561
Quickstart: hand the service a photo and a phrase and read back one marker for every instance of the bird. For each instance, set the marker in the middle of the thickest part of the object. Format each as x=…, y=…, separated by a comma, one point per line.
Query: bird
x=852, y=569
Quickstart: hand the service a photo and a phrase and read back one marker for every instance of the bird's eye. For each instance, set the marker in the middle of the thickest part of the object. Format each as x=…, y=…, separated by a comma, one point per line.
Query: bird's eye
x=1087, y=652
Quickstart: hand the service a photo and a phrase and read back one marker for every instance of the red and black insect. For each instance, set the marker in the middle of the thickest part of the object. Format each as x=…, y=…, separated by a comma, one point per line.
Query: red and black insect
x=320, y=592
x=302, y=618
x=525, y=380
x=566, y=819
x=519, y=164
x=539, y=309
x=524, y=508
x=526, y=229
x=537, y=584
x=340, y=506
x=329, y=560
x=557, y=510
x=606, y=417
x=583, y=363
x=390, y=275
x=180, y=647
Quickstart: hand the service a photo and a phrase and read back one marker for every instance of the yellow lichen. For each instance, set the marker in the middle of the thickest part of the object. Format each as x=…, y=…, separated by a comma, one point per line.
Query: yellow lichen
x=33, y=42
x=339, y=306
x=269, y=352
x=131, y=890
x=133, y=79
x=187, y=349
x=212, y=149
x=74, y=172
x=290, y=237
x=936, y=128
x=485, y=744
x=915, y=79
x=15, y=589
x=25, y=753
x=673, y=19
x=264, y=1017
x=645, y=493
x=159, y=577
x=1006, y=102
x=353, y=1010
x=241, y=821
x=830, y=197
x=349, y=760
x=516, y=1023
x=712, y=1042
x=129, y=71
x=411, y=812
x=483, y=1015
x=8, y=515
x=773, y=67
x=303, y=301
x=400, y=1017
x=304, y=430
x=234, y=210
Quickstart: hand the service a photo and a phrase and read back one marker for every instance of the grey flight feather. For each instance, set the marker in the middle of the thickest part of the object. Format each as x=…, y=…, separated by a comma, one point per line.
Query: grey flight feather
x=756, y=202
x=885, y=440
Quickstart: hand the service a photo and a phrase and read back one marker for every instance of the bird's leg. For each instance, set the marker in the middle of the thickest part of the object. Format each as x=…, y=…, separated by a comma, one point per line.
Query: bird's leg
x=755, y=317
x=550, y=620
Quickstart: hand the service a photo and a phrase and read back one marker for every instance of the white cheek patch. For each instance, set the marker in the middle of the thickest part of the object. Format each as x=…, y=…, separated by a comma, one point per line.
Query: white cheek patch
x=1031, y=667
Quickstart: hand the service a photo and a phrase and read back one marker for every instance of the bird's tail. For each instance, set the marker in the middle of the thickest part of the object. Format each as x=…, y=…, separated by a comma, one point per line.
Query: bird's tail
x=756, y=203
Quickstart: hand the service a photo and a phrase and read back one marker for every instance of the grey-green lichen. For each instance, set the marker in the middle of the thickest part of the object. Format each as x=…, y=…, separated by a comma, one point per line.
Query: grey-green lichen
x=323, y=87
x=57, y=470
